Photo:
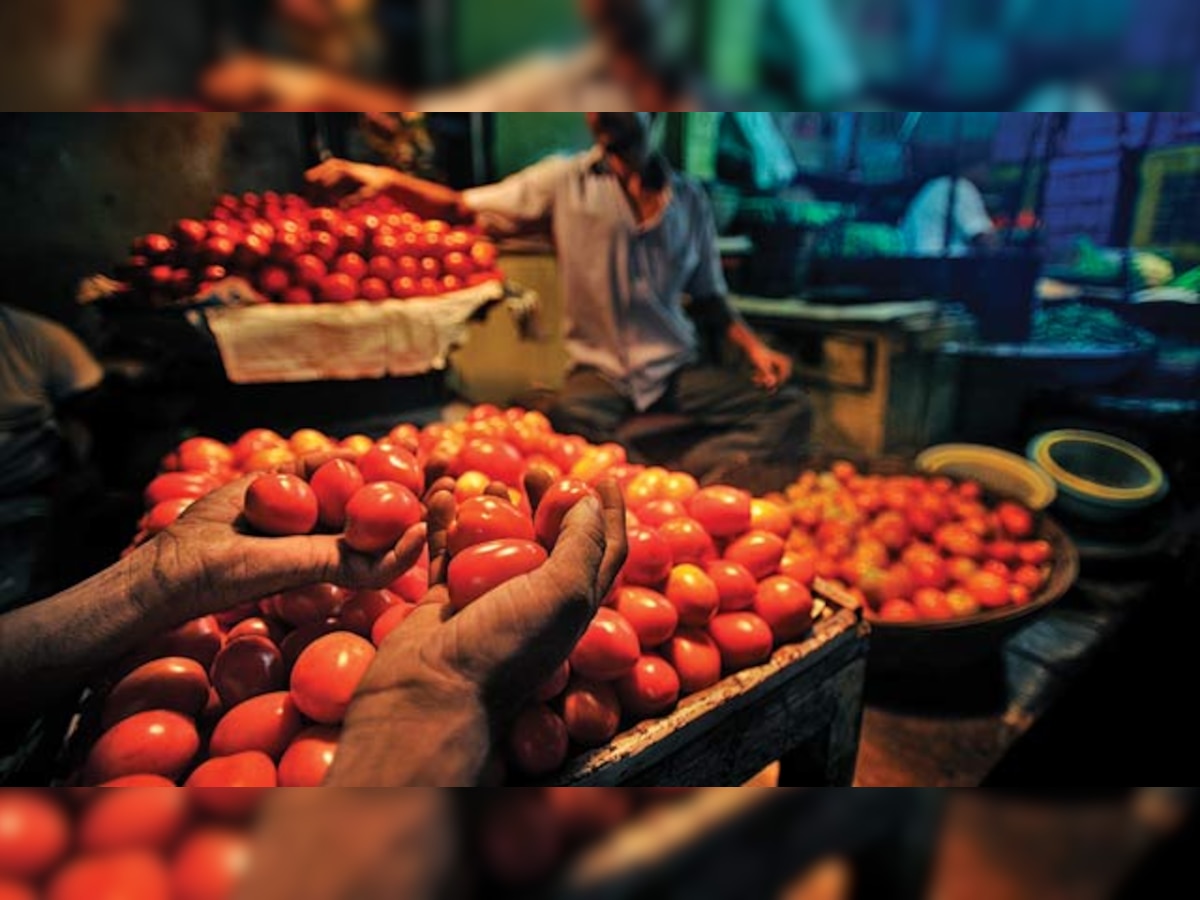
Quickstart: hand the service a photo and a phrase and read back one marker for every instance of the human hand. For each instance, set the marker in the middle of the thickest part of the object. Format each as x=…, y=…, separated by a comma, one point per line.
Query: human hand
x=772, y=370
x=248, y=81
x=442, y=682
x=353, y=182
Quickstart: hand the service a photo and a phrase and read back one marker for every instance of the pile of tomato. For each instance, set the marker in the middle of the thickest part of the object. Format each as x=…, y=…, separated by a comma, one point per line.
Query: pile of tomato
x=915, y=548
x=255, y=696
x=293, y=252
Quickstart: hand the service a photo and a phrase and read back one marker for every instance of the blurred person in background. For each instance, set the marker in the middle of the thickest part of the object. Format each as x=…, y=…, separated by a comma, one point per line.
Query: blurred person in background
x=948, y=217
x=632, y=237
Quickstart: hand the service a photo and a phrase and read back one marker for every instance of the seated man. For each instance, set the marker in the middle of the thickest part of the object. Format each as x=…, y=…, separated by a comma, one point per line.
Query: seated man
x=633, y=238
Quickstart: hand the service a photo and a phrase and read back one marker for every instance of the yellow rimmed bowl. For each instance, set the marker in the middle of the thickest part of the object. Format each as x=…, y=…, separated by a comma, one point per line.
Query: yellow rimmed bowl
x=998, y=471
x=1100, y=478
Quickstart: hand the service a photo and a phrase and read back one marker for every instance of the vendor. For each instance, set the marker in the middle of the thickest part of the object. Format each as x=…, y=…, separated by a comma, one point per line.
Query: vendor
x=633, y=237
x=948, y=216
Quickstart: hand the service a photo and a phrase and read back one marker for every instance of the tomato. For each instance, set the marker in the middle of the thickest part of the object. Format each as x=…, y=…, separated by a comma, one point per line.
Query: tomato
x=485, y=518
x=1016, y=521
x=374, y=289
x=1002, y=551
x=1019, y=595
x=134, y=819
x=759, y=551
x=695, y=657
x=520, y=839
x=334, y=484
x=323, y=245
x=281, y=505
x=177, y=485
x=389, y=621
x=555, y=684
x=1029, y=577
x=595, y=462
x=961, y=602
x=202, y=454
x=743, y=638
x=898, y=611
x=736, y=587
x=357, y=444
x=928, y=571
x=459, y=265
x=247, y=770
x=413, y=585
x=130, y=875
x=608, y=649
x=931, y=604
x=270, y=458
x=693, y=594
x=560, y=499
x=801, y=566
x=394, y=464
x=989, y=589
x=497, y=459
x=959, y=568
x=306, y=761
x=200, y=639
x=210, y=864
x=656, y=512
x=247, y=667
x=15, y=890
x=338, y=288
x=164, y=514
x=956, y=540
x=383, y=268
x=34, y=834
x=483, y=255
x=721, y=511
x=364, y=608
x=270, y=629
x=652, y=616
x=327, y=673
x=137, y=781
x=1035, y=553
x=314, y=603
x=295, y=643
x=483, y=567
x=378, y=515
x=591, y=712
x=892, y=530
x=538, y=741
x=650, y=688
x=649, y=560
x=768, y=516
x=786, y=606
x=147, y=743
x=173, y=683
x=267, y=723
x=688, y=540
x=996, y=567
x=273, y=280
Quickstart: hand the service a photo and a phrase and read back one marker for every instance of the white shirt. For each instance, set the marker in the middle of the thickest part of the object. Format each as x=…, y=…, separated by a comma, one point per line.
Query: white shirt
x=924, y=225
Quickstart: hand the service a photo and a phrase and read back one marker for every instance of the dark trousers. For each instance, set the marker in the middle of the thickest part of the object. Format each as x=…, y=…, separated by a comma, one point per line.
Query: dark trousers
x=748, y=422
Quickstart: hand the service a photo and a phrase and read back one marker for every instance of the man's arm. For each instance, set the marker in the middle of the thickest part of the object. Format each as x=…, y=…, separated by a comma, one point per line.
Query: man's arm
x=360, y=181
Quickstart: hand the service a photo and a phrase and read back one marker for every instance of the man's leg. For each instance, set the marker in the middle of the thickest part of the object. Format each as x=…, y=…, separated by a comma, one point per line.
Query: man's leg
x=589, y=405
x=754, y=424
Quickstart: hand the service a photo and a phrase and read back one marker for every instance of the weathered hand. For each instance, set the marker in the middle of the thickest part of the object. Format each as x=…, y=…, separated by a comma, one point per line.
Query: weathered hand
x=771, y=369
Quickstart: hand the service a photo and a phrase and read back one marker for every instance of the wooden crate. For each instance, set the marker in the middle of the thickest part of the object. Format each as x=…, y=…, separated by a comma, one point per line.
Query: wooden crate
x=803, y=708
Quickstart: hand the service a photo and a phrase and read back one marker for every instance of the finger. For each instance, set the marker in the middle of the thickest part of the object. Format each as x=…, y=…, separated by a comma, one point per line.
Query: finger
x=446, y=484
x=615, y=536
x=441, y=515
x=537, y=482
x=497, y=489
x=574, y=564
x=404, y=555
x=437, y=468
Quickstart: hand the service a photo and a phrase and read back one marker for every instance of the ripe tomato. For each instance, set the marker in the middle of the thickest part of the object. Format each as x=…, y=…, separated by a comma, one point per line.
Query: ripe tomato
x=16, y=890
x=497, y=459
x=743, y=638
x=736, y=587
x=931, y=605
x=334, y=484
x=1016, y=521
x=247, y=770
x=1002, y=551
x=210, y=864
x=147, y=743
x=314, y=603
x=1035, y=553
x=134, y=819
x=591, y=712
x=163, y=515
x=956, y=540
x=202, y=454
x=786, y=606
x=281, y=505
x=801, y=566
x=177, y=485
x=656, y=512
x=200, y=639
x=485, y=518
x=459, y=265
x=306, y=761
x=483, y=255
x=363, y=610
x=695, y=657
x=688, y=540
x=650, y=688
x=34, y=834
x=383, y=267
x=378, y=515
x=309, y=270
x=338, y=288
x=538, y=741
x=560, y=498
x=608, y=649
x=693, y=594
x=483, y=567
x=555, y=684
x=309, y=440
x=959, y=568
x=258, y=627
x=413, y=585
x=898, y=611
x=265, y=460
x=722, y=511
x=173, y=683
x=267, y=723
x=768, y=516
x=351, y=264
x=1029, y=577
x=961, y=603
x=327, y=673
x=653, y=617
x=989, y=589
x=374, y=289
x=137, y=781
x=393, y=464
x=273, y=280
x=759, y=551
x=130, y=875
x=649, y=560
x=247, y=667
x=1019, y=595
x=389, y=621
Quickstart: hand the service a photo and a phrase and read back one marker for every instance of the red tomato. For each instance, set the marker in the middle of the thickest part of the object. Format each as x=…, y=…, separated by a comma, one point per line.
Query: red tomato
x=164, y=514
x=560, y=499
x=743, y=638
x=688, y=540
x=459, y=265
x=147, y=743
x=1035, y=553
x=956, y=540
x=608, y=649
x=374, y=289
x=786, y=606
x=297, y=642
x=210, y=864
x=989, y=589
x=324, y=246
x=173, y=683
x=485, y=518
x=650, y=688
x=695, y=657
x=273, y=280
x=592, y=712
x=309, y=270
x=389, y=622
x=247, y=770
x=483, y=567
x=307, y=760
x=736, y=587
x=382, y=267
x=363, y=610
x=351, y=264
x=413, y=585
x=378, y=515
x=256, y=627
x=15, y=890
x=177, y=485
x=657, y=512
x=281, y=505
x=759, y=551
x=1002, y=551
x=393, y=464
x=314, y=603
x=555, y=684
x=1019, y=595
x=131, y=875
x=931, y=605
x=801, y=566
x=483, y=255
x=137, y=781
x=649, y=560
x=959, y=568
x=537, y=742
x=327, y=673
x=652, y=616
x=496, y=459
x=768, y=516
x=1016, y=521
x=721, y=511
x=961, y=602
x=202, y=454
x=338, y=288
x=693, y=594
x=200, y=639
x=34, y=834
x=334, y=484
x=134, y=819
x=267, y=723
x=928, y=571
x=898, y=611
x=1029, y=577
x=247, y=667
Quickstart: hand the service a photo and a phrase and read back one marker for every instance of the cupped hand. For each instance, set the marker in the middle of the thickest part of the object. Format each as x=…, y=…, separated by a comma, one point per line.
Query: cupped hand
x=771, y=369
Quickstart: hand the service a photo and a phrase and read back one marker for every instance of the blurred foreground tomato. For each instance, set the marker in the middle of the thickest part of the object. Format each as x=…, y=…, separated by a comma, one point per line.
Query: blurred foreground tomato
x=130, y=875
x=209, y=864
x=34, y=834
x=144, y=818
